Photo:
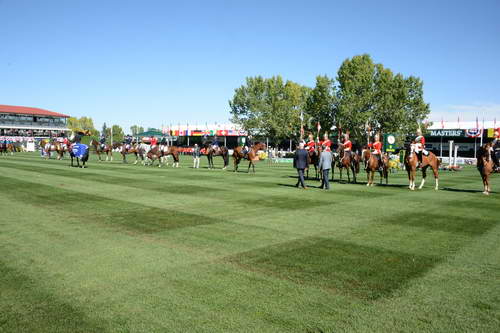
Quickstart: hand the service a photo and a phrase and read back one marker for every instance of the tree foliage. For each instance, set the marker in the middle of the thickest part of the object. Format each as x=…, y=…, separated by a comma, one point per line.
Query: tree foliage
x=371, y=95
x=83, y=123
x=117, y=133
x=363, y=94
x=135, y=129
x=269, y=107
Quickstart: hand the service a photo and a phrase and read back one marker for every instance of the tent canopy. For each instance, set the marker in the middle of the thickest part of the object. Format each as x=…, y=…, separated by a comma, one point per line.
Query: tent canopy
x=150, y=133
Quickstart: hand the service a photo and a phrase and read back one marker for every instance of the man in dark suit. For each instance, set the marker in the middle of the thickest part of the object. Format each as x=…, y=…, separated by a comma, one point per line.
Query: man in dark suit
x=300, y=163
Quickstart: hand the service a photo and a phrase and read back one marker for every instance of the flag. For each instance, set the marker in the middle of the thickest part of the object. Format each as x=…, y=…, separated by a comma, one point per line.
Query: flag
x=442, y=123
x=301, y=115
x=319, y=126
x=458, y=122
x=495, y=123
x=477, y=123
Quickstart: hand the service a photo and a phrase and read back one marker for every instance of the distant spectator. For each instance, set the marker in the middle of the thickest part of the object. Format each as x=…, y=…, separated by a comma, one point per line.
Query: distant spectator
x=196, y=156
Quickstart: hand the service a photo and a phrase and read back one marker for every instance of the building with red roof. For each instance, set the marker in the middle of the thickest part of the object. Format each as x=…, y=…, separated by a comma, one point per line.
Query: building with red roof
x=22, y=121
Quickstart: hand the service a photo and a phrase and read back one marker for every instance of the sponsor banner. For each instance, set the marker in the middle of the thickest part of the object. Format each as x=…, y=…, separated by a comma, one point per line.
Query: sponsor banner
x=17, y=138
x=474, y=132
x=389, y=143
x=447, y=132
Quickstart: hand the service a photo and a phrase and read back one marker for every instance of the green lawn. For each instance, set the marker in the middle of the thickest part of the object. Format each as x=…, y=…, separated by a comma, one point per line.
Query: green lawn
x=124, y=248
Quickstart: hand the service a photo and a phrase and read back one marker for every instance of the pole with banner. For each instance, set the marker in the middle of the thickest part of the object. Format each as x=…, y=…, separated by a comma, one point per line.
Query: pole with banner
x=301, y=125
x=441, y=144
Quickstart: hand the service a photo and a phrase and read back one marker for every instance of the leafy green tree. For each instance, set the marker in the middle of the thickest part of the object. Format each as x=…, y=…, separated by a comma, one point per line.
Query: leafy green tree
x=320, y=105
x=372, y=95
x=269, y=107
x=117, y=133
x=83, y=123
x=135, y=129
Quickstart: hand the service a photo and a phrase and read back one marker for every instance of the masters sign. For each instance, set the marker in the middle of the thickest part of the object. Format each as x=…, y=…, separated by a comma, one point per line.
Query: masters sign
x=450, y=132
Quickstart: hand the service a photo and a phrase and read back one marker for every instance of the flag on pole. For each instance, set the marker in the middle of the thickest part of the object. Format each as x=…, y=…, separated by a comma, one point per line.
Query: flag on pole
x=319, y=126
x=458, y=122
x=301, y=115
x=477, y=123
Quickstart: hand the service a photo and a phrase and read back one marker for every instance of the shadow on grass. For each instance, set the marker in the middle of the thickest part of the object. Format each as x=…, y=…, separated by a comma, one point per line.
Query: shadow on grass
x=449, y=189
x=364, y=272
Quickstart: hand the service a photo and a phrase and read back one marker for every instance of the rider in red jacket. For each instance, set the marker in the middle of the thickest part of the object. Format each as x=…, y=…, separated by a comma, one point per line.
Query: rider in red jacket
x=310, y=145
x=377, y=150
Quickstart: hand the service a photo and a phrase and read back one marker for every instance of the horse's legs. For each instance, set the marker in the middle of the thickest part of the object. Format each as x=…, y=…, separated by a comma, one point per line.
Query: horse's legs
x=249, y=165
x=436, y=177
x=424, y=175
x=353, y=173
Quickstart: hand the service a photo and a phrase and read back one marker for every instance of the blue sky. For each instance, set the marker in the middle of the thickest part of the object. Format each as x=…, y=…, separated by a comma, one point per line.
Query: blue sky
x=160, y=62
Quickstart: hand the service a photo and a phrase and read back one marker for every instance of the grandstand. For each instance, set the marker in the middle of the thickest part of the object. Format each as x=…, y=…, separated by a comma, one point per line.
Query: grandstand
x=22, y=122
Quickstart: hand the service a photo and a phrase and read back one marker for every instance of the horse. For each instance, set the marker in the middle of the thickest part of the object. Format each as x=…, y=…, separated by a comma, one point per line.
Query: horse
x=411, y=162
x=104, y=149
x=75, y=139
x=251, y=156
x=139, y=150
x=313, y=158
x=485, y=166
x=49, y=146
x=3, y=148
x=372, y=165
x=347, y=161
x=211, y=152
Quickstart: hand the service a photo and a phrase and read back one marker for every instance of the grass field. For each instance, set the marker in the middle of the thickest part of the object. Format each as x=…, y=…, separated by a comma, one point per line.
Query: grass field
x=123, y=248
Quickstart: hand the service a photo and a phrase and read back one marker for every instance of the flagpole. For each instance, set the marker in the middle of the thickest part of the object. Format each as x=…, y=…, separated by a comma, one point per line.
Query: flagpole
x=482, y=134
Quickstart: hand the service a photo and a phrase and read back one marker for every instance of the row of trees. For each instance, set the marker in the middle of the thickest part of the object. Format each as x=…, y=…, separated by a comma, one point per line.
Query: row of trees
x=363, y=95
x=86, y=123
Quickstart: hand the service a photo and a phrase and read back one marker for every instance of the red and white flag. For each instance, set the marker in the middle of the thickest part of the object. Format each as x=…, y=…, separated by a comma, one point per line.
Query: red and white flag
x=319, y=126
x=477, y=123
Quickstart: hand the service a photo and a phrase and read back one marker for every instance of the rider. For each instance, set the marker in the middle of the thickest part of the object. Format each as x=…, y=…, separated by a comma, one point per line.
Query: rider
x=326, y=141
x=347, y=146
x=215, y=144
x=310, y=145
x=102, y=140
x=128, y=141
x=377, y=150
x=154, y=141
x=248, y=145
x=420, y=146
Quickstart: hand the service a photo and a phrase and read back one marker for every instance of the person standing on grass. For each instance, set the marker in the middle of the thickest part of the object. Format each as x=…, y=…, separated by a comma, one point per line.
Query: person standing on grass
x=325, y=163
x=196, y=156
x=300, y=163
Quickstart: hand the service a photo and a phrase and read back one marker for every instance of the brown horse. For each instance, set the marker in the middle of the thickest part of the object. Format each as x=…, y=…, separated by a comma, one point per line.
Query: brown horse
x=347, y=160
x=211, y=152
x=485, y=166
x=49, y=146
x=313, y=158
x=104, y=149
x=160, y=153
x=251, y=156
x=411, y=162
x=372, y=164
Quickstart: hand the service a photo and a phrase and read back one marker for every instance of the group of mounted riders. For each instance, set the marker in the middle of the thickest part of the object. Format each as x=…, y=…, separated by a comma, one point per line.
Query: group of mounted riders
x=63, y=144
x=8, y=145
x=375, y=160
x=346, y=157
